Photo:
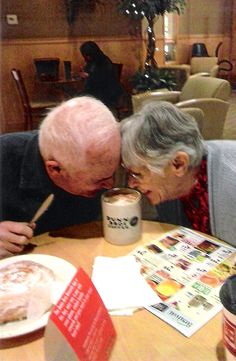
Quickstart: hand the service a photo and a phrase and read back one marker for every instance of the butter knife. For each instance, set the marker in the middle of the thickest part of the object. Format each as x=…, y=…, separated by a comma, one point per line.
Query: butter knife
x=44, y=206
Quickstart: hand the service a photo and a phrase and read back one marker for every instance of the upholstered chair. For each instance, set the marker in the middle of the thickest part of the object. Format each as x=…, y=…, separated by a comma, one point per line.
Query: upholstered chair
x=206, y=93
x=197, y=114
x=204, y=66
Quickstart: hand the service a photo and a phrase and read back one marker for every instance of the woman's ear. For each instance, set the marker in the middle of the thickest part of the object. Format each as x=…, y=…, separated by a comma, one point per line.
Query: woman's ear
x=180, y=163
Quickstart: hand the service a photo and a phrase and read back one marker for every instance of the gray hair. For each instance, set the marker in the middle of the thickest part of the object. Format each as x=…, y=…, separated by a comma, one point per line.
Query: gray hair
x=70, y=130
x=151, y=137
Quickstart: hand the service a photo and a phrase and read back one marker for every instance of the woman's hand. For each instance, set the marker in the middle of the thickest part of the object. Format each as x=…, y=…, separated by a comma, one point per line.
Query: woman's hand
x=83, y=74
x=14, y=236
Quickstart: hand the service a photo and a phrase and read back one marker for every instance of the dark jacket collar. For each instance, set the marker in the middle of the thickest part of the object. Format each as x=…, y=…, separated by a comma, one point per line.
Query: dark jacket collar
x=33, y=173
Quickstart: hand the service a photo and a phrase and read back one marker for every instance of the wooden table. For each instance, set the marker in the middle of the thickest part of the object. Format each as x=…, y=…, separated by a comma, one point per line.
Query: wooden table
x=59, y=88
x=141, y=337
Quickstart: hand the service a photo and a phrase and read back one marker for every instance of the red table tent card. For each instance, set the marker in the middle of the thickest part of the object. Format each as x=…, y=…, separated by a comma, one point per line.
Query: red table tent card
x=79, y=326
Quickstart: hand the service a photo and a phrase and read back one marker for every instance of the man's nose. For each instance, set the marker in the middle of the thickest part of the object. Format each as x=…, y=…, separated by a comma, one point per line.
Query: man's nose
x=108, y=183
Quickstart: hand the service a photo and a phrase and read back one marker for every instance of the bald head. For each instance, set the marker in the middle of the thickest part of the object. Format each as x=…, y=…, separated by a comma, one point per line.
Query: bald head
x=79, y=131
x=80, y=145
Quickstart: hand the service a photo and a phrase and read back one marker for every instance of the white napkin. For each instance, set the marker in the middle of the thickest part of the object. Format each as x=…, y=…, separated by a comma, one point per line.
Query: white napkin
x=121, y=285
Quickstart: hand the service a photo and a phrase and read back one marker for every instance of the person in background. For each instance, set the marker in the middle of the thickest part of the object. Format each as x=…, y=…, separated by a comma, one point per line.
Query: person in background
x=73, y=155
x=102, y=79
x=191, y=181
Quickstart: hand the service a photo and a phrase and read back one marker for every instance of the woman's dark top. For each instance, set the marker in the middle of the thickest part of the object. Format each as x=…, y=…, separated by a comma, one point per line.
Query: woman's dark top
x=103, y=82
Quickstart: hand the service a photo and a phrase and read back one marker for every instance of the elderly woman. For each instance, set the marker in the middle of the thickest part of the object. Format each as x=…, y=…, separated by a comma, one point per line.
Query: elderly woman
x=192, y=182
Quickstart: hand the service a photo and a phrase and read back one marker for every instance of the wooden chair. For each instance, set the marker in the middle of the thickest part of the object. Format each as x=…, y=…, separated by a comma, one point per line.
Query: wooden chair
x=30, y=108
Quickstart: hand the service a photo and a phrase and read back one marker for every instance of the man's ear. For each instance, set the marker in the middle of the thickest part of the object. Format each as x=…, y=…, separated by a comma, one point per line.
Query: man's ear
x=180, y=163
x=53, y=168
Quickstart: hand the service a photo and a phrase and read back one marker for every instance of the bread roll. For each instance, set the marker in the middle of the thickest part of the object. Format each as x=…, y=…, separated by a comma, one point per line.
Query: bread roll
x=25, y=290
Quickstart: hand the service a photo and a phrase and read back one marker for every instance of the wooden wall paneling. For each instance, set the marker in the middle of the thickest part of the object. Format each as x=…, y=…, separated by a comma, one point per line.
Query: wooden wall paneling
x=43, y=31
x=207, y=22
x=124, y=42
x=48, y=19
x=20, y=54
x=185, y=42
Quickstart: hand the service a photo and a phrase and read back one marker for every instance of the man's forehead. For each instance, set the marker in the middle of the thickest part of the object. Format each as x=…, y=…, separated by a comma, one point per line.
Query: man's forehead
x=101, y=157
x=102, y=169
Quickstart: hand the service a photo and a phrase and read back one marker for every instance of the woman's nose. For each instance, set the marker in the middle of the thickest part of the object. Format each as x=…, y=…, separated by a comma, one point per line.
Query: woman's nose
x=132, y=183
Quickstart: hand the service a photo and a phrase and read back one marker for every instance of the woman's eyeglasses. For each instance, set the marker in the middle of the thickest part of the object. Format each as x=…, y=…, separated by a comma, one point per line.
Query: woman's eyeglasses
x=136, y=176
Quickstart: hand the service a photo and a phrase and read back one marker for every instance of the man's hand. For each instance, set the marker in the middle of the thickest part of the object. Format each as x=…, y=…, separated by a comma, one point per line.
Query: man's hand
x=14, y=236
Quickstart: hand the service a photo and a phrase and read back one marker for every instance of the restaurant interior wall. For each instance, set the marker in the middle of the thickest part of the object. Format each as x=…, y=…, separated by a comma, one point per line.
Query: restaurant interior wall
x=43, y=31
x=192, y=25
x=224, y=33
x=204, y=21
x=208, y=22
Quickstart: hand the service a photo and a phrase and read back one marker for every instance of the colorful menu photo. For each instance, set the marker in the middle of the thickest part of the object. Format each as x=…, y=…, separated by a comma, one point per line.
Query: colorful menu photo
x=186, y=270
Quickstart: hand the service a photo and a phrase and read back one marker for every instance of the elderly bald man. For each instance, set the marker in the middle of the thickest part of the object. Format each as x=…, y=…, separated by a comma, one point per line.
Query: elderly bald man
x=73, y=155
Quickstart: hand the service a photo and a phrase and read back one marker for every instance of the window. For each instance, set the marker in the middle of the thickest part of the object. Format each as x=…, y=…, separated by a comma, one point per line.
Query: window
x=170, y=31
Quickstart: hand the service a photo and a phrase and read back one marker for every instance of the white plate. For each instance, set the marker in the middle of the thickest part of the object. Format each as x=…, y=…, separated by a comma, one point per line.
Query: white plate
x=63, y=271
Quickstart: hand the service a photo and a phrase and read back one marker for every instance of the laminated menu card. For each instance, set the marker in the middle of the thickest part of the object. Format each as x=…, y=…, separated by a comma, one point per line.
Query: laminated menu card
x=79, y=327
x=186, y=270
